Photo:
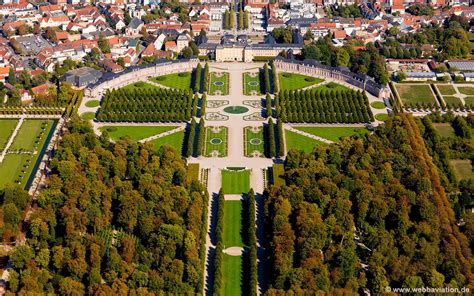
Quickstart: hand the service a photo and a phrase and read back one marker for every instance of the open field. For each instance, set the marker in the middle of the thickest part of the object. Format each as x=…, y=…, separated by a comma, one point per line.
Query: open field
x=333, y=133
x=378, y=105
x=232, y=275
x=27, y=137
x=6, y=129
x=235, y=182
x=139, y=85
x=412, y=94
x=177, y=80
x=446, y=90
x=452, y=101
x=466, y=90
x=444, y=129
x=300, y=142
x=233, y=223
x=216, y=142
x=278, y=171
x=193, y=172
x=174, y=140
x=462, y=168
x=291, y=81
x=469, y=101
x=252, y=84
x=219, y=83
x=254, y=142
x=134, y=132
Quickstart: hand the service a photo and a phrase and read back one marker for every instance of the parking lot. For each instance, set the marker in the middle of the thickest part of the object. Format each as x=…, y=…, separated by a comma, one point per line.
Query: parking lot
x=32, y=44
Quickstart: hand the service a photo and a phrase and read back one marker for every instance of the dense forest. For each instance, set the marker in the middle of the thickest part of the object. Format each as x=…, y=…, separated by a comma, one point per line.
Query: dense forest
x=115, y=218
x=367, y=61
x=366, y=213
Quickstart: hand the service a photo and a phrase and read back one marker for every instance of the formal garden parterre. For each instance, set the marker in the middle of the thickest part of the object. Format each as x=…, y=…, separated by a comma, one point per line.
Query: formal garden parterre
x=254, y=141
x=216, y=141
x=219, y=83
x=252, y=83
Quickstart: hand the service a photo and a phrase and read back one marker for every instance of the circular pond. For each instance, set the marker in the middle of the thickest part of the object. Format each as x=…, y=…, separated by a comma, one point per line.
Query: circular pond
x=216, y=141
x=253, y=83
x=255, y=141
x=236, y=109
x=219, y=83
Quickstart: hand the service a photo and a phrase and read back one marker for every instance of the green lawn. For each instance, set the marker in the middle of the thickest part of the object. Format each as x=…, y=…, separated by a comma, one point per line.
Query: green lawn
x=381, y=116
x=18, y=167
x=235, y=182
x=88, y=115
x=299, y=142
x=93, y=103
x=469, y=101
x=177, y=80
x=216, y=141
x=446, y=89
x=12, y=166
x=332, y=86
x=333, y=133
x=444, y=129
x=233, y=223
x=6, y=129
x=278, y=172
x=135, y=133
x=27, y=135
x=378, y=105
x=174, y=140
x=215, y=79
x=193, y=172
x=451, y=100
x=291, y=81
x=249, y=81
x=139, y=85
x=466, y=90
x=412, y=94
x=232, y=275
x=462, y=168
x=251, y=141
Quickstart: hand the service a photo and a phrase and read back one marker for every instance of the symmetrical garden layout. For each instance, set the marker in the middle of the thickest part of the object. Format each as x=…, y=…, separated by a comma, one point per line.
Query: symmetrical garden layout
x=234, y=121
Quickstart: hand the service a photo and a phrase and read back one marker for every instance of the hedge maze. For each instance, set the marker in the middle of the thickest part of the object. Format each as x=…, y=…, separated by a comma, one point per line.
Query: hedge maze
x=147, y=105
x=313, y=105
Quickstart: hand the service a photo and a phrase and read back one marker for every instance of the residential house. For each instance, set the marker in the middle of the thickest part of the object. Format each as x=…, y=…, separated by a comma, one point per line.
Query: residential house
x=134, y=27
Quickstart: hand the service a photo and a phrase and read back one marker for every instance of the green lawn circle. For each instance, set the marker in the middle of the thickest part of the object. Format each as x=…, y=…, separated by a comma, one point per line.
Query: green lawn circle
x=255, y=141
x=236, y=109
x=93, y=103
x=215, y=141
x=381, y=117
x=88, y=115
x=378, y=105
